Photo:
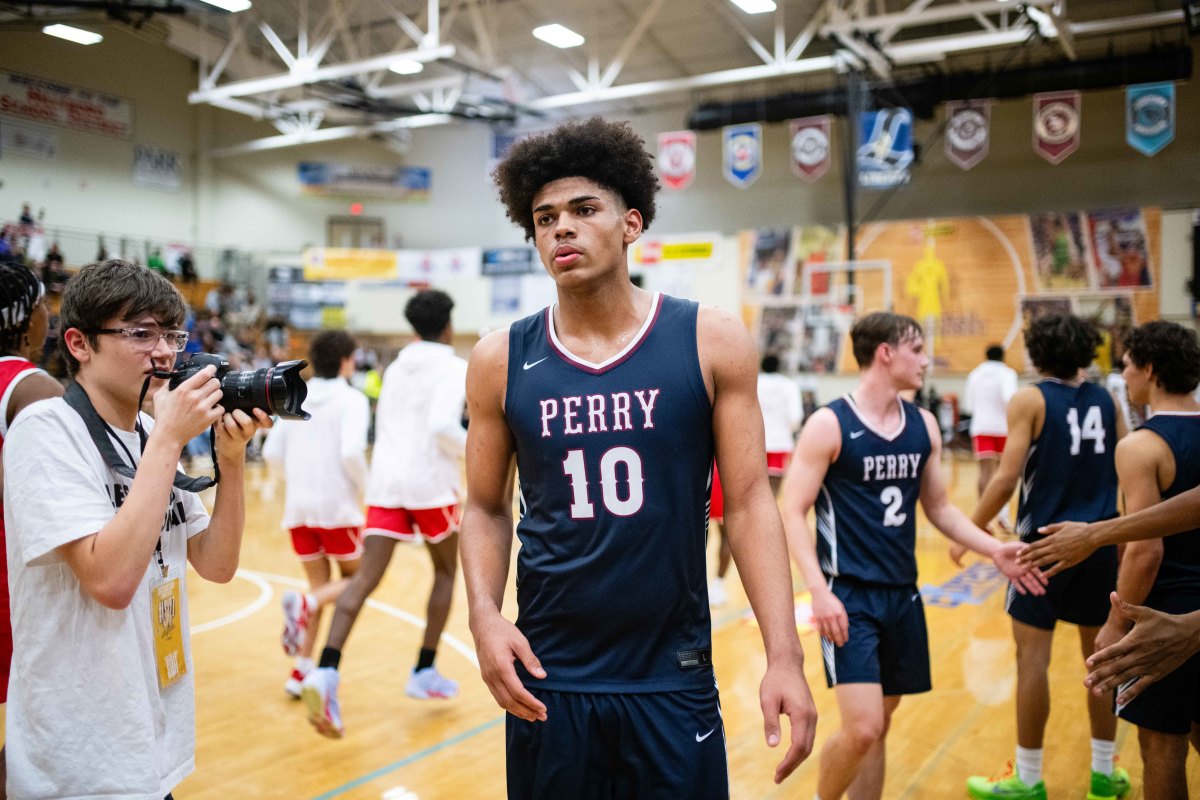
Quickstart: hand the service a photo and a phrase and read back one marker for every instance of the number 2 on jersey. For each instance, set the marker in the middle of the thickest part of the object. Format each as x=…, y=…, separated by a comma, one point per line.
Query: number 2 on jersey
x=575, y=469
x=893, y=498
x=1093, y=428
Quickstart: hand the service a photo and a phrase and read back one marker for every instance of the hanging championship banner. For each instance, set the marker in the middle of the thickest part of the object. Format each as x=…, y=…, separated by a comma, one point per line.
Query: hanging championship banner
x=743, y=153
x=1150, y=116
x=885, y=150
x=968, y=131
x=810, y=146
x=677, y=158
x=1056, y=124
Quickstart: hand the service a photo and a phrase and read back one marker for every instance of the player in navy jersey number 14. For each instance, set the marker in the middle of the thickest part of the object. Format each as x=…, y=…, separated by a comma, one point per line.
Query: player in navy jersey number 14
x=862, y=463
x=613, y=403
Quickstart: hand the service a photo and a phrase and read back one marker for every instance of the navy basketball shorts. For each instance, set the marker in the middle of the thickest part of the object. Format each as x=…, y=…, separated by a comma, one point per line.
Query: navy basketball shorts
x=1078, y=595
x=668, y=745
x=1173, y=703
x=888, y=642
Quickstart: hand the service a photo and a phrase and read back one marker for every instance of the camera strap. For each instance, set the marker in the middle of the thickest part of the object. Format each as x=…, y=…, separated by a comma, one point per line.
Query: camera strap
x=103, y=436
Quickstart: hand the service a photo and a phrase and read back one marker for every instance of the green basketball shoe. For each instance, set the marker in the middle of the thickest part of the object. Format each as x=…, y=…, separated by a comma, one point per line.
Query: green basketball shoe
x=1006, y=787
x=1109, y=787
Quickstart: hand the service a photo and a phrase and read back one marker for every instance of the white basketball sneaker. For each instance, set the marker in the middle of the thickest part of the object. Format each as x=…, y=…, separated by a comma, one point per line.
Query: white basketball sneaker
x=429, y=684
x=319, y=692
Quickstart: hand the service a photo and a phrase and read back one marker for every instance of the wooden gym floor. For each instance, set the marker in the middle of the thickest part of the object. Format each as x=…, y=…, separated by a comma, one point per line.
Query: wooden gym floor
x=254, y=742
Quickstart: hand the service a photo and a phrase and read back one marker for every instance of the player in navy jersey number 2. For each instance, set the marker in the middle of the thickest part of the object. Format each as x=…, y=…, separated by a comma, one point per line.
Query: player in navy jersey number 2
x=613, y=402
x=863, y=461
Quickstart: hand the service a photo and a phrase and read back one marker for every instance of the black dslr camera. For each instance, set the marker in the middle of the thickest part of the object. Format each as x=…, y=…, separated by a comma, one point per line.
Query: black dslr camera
x=278, y=390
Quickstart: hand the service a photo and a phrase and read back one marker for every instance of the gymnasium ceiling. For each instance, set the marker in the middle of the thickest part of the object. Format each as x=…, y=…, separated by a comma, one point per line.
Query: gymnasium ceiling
x=318, y=69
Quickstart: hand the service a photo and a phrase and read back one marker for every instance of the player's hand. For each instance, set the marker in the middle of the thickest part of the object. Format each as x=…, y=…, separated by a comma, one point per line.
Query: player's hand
x=1111, y=632
x=234, y=430
x=957, y=551
x=1065, y=545
x=784, y=690
x=829, y=617
x=1158, y=644
x=189, y=410
x=499, y=643
x=1025, y=579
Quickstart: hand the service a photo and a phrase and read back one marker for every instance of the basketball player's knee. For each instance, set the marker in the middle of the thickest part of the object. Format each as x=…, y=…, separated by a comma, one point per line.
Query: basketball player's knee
x=862, y=734
x=1033, y=656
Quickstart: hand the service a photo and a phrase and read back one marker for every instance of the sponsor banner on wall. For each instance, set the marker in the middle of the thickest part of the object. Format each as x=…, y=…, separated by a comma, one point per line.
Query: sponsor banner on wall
x=326, y=179
x=502, y=261
x=694, y=249
x=1056, y=124
x=968, y=131
x=809, y=139
x=885, y=151
x=677, y=158
x=348, y=263
x=1150, y=116
x=74, y=107
x=742, y=153
x=435, y=266
x=23, y=139
x=156, y=168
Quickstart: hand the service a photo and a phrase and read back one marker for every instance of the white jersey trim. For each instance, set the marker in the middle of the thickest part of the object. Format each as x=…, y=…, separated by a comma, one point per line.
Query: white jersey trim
x=8, y=392
x=633, y=343
x=891, y=437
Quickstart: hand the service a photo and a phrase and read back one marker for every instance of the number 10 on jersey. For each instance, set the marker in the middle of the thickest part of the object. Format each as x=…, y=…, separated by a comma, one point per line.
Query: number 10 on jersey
x=575, y=468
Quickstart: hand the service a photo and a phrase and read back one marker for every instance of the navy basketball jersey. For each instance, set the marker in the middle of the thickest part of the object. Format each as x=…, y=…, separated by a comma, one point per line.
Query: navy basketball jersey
x=614, y=464
x=1069, y=472
x=867, y=507
x=1180, y=567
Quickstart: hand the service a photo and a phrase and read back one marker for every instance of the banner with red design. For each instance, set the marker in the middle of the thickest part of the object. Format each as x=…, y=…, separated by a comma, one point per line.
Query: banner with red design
x=677, y=158
x=810, y=146
x=1056, y=123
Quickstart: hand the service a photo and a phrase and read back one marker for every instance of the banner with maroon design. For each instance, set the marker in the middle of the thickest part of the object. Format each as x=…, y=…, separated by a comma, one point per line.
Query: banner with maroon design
x=677, y=158
x=1056, y=117
x=968, y=131
x=810, y=146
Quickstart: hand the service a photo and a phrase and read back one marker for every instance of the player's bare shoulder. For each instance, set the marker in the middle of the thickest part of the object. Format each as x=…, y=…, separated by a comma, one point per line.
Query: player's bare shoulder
x=724, y=343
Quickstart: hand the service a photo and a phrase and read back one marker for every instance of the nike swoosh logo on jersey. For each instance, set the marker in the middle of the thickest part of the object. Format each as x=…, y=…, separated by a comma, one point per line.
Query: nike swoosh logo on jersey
x=700, y=738
x=857, y=434
x=534, y=364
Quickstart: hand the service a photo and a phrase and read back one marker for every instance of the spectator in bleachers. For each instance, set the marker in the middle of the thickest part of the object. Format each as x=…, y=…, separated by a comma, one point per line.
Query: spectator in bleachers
x=187, y=268
x=156, y=263
x=27, y=216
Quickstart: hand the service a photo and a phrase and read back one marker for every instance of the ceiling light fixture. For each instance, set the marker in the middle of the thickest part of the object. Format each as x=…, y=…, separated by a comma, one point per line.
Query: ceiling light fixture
x=406, y=67
x=755, y=6
x=558, y=35
x=77, y=35
x=230, y=5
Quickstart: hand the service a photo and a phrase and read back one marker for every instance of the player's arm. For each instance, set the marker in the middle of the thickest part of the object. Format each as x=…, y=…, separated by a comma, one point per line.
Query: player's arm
x=38, y=386
x=754, y=529
x=1138, y=459
x=1158, y=645
x=1025, y=411
x=952, y=522
x=487, y=531
x=818, y=447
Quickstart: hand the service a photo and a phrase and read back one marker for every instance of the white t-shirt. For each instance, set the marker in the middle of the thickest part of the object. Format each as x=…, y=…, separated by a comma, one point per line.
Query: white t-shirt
x=779, y=398
x=989, y=388
x=324, y=458
x=419, y=437
x=86, y=717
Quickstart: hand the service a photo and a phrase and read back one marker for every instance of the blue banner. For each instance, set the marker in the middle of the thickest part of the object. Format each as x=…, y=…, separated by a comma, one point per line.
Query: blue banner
x=885, y=148
x=743, y=153
x=1150, y=116
x=365, y=180
x=510, y=261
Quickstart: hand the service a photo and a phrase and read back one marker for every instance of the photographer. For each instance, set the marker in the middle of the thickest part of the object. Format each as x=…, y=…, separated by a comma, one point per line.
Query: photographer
x=101, y=698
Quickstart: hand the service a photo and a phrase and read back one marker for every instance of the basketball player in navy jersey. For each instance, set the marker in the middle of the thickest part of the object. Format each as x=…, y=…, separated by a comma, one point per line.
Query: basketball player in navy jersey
x=613, y=402
x=863, y=461
x=1062, y=435
x=1158, y=461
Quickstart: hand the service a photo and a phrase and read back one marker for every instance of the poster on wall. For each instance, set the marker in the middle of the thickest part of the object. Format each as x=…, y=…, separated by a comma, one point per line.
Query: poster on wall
x=676, y=159
x=348, y=263
x=32, y=98
x=325, y=179
x=25, y=139
x=1114, y=316
x=810, y=147
x=813, y=244
x=767, y=272
x=742, y=153
x=1150, y=116
x=968, y=131
x=886, y=151
x=1060, y=257
x=1120, y=248
x=156, y=168
x=692, y=249
x=1056, y=124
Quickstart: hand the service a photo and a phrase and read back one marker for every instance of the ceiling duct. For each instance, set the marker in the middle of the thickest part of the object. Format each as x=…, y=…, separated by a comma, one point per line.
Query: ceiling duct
x=924, y=95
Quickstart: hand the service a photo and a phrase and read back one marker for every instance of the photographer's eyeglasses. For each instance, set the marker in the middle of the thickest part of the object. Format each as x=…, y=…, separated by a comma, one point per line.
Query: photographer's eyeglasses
x=147, y=338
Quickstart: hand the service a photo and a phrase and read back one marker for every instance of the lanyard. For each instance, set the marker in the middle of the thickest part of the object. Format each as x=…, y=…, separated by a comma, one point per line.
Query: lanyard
x=162, y=567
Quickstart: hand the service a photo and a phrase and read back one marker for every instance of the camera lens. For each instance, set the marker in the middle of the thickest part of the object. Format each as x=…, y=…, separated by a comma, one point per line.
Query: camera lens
x=278, y=390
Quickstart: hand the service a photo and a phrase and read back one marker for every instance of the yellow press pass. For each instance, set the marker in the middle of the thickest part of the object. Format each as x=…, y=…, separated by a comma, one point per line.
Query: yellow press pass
x=168, y=636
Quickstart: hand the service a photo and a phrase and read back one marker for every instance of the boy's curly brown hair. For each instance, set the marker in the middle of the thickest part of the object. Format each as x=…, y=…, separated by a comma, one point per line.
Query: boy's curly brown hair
x=608, y=153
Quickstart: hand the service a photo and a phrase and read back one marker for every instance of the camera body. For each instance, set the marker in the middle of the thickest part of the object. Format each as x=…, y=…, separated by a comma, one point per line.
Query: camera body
x=277, y=390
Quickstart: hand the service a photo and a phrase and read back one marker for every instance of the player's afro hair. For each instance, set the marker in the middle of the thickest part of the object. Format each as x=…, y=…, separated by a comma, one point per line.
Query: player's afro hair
x=1061, y=344
x=609, y=153
x=1171, y=349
